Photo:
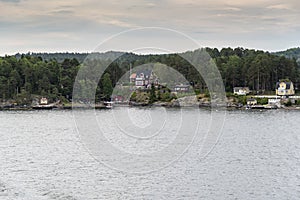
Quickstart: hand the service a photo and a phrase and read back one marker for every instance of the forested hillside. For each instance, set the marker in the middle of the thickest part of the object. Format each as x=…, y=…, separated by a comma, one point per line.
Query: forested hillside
x=257, y=69
x=22, y=76
x=59, y=57
x=293, y=53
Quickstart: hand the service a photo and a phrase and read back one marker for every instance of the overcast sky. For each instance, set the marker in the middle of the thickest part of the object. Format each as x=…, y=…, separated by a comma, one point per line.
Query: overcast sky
x=80, y=25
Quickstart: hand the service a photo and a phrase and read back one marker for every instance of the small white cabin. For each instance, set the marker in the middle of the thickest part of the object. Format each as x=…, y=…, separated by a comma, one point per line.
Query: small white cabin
x=251, y=102
x=43, y=101
x=241, y=90
x=274, y=102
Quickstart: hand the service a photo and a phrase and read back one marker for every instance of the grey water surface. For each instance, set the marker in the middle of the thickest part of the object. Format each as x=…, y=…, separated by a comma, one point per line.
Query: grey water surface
x=257, y=156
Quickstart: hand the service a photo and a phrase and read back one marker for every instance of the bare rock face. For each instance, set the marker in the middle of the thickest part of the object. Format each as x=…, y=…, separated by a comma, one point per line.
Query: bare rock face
x=189, y=101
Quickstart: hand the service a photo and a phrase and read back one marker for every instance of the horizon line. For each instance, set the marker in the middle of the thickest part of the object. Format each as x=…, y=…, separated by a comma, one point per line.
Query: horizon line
x=152, y=53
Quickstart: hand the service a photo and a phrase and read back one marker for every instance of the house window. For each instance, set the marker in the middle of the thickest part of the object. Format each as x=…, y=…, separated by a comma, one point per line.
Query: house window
x=139, y=83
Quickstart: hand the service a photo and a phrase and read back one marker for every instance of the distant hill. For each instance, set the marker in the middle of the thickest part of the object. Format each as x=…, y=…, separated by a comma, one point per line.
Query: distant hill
x=80, y=57
x=52, y=75
x=293, y=53
x=290, y=53
x=59, y=57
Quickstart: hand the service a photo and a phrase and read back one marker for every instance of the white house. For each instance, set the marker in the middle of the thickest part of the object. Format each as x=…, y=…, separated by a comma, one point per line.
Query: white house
x=182, y=88
x=144, y=78
x=274, y=102
x=43, y=101
x=285, y=88
x=241, y=90
x=251, y=102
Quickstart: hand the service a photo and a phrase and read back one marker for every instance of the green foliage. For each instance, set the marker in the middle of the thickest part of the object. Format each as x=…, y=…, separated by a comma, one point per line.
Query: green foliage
x=158, y=95
x=53, y=75
x=167, y=97
x=288, y=103
x=262, y=101
x=230, y=94
x=242, y=99
x=32, y=75
x=133, y=96
x=197, y=91
x=23, y=98
x=297, y=102
x=140, y=97
x=206, y=93
x=293, y=53
x=107, y=86
x=285, y=80
x=257, y=70
x=152, y=97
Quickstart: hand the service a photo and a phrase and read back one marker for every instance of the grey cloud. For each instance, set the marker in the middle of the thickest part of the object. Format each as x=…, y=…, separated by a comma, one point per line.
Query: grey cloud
x=221, y=20
x=10, y=1
x=62, y=12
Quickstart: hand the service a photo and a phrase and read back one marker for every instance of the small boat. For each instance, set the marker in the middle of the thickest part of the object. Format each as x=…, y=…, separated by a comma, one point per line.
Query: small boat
x=261, y=107
x=108, y=104
x=43, y=107
x=257, y=107
x=270, y=107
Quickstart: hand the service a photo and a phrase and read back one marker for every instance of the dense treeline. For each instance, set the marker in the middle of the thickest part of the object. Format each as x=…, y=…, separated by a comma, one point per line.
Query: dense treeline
x=293, y=53
x=22, y=76
x=257, y=69
x=30, y=75
x=59, y=57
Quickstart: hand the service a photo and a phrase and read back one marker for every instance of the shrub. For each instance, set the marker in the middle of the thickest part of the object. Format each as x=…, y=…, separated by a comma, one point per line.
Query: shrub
x=288, y=103
x=206, y=93
x=133, y=97
x=242, y=99
x=262, y=101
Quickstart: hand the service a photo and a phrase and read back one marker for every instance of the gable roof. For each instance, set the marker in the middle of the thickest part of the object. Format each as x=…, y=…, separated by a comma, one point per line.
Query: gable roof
x=182, y=86
x=147, y=73
x=133, y=75
x=237, y=89
x=251, y=100
x=288, y=84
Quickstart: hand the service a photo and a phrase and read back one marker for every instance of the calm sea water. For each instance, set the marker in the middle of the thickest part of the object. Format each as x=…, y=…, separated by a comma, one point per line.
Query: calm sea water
x=43, y=156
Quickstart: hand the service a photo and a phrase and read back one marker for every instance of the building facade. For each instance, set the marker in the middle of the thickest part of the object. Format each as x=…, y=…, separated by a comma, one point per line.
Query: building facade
x=241, y=90
x=285, y=88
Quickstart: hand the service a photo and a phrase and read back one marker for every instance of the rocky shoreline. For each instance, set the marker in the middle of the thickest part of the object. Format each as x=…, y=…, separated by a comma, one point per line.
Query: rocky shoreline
x=173, y=104
x=183, y=102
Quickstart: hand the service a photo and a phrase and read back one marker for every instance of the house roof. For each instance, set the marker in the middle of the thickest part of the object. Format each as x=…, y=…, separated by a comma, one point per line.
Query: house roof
x=238, y=89
x=182, y=86
x=147, y=73
x=241, y=88
x=133, y=75
x=288, y=85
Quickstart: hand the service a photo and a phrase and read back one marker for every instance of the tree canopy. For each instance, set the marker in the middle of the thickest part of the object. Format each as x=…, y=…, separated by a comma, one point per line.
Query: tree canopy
x=35, y=75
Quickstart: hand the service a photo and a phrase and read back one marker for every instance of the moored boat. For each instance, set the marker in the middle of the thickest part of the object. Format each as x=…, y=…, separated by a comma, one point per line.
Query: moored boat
x=108, y=104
